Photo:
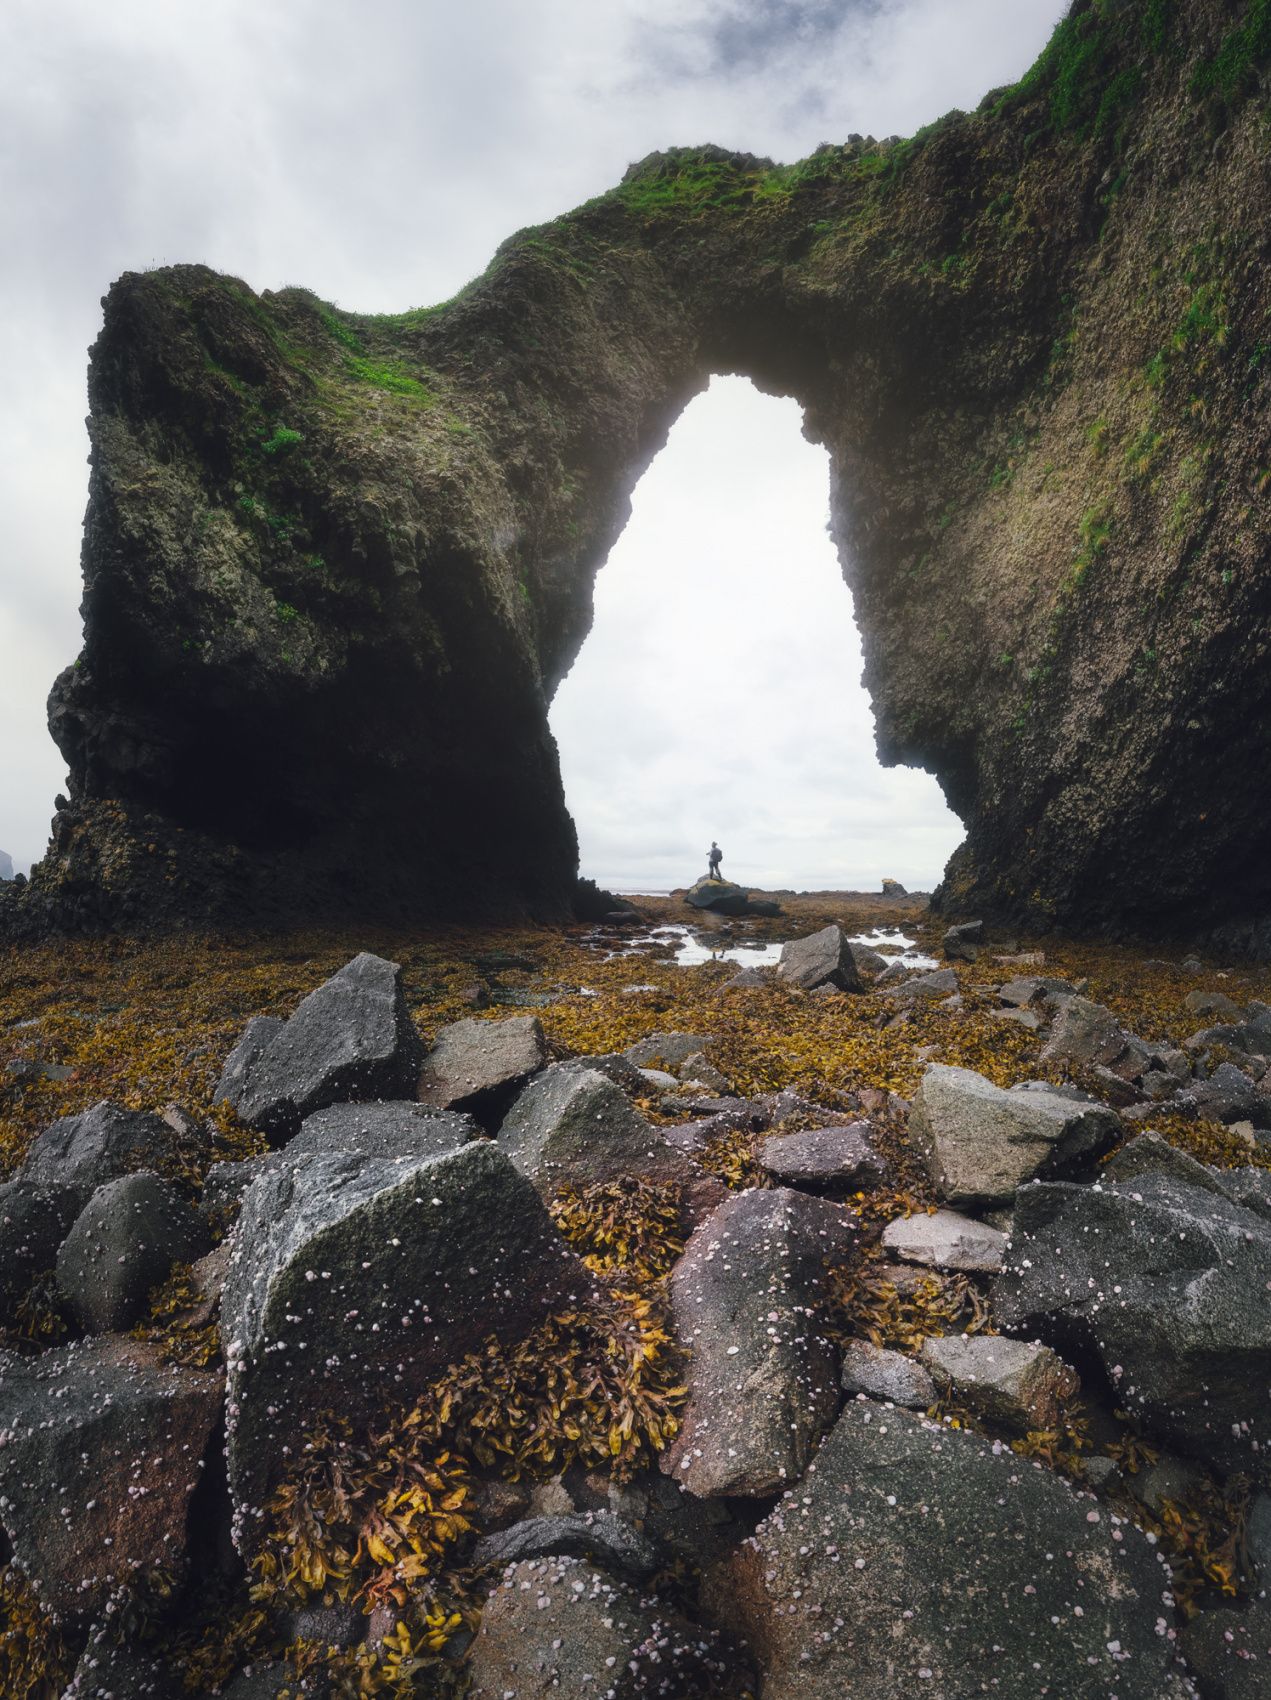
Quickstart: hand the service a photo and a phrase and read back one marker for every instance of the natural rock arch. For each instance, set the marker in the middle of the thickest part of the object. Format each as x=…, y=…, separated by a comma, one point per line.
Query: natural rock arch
x=334, y=564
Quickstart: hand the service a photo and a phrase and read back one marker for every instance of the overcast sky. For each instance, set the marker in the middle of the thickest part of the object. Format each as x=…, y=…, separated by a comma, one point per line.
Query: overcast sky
x=379, y=152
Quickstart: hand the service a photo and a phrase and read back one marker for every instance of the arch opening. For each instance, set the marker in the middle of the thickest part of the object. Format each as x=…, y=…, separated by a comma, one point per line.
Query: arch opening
x=719, y=691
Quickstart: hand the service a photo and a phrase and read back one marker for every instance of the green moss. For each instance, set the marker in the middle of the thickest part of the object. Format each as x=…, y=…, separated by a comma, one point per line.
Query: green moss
x=281, y=441
x=391, y=376
x=1232, y=72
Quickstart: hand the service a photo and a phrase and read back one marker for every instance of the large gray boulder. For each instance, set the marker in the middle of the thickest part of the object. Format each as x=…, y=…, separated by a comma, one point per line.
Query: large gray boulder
x=354, y=1279
x=34, y=1220
x=573, y=1126
x=84, y=1151
x=102, y=1450
x=350, y=1039
x=479, y=1065
x=917, y=1560
x=719, y=895
x=980, y=1142
x=123, y=1243
x=1085, y=1034
x=821, y=959
x=1167, y=1283
x=398, y=1129
x=762, y=1379
x=561, y=1629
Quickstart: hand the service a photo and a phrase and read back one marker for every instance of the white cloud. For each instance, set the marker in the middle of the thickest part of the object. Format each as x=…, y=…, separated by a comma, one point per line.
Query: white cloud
x=377, y=152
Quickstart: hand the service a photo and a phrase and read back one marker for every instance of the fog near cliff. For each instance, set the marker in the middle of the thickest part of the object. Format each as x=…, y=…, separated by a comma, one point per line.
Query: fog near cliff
x=379, y=153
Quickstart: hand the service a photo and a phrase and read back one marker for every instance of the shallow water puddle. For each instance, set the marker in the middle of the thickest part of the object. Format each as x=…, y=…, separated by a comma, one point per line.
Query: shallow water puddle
x=692, y=949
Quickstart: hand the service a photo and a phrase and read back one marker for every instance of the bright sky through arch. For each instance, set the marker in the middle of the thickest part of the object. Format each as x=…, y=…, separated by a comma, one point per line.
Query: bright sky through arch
x=719, y=692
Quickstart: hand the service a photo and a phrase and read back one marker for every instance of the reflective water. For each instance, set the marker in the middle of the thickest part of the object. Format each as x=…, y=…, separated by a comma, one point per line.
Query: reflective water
x=693, y=948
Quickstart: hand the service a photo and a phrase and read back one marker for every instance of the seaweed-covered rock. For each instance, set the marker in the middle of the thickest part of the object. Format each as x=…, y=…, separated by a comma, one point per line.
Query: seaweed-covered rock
x=981, y=1142
x=915, y=1559
x=573, y=1126
x=34, y=1220
x=479, y=1065
x=84, y=1151
x=821, y=959
x=352, y=1038
x=102, y=1451
x=762, y=1379
x=351, y=1276
x=123, y=1243
x=1167, y=1283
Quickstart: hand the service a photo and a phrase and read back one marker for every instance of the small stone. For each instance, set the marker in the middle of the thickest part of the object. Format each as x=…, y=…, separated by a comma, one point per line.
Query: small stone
x=886, y=1375
x=824, y=1156
x=1018, y=1383
x=945, y=1240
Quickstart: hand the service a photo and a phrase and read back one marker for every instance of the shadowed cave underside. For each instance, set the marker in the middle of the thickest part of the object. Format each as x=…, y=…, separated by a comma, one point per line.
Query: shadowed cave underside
x=335, y=565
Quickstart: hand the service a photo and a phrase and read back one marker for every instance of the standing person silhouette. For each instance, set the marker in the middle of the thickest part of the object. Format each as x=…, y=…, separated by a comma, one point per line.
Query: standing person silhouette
x=716, y=855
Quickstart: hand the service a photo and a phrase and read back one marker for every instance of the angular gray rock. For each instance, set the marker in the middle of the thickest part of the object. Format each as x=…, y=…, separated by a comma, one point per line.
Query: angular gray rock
x=1028, y=988
x=1167, y=1283
x=34, y=1220
x=762, y=1379
x=666, y=1050
x=351, y=1276
x=1229, y=1095
x=961, y=943
x=123, y=1243
x=596, y=1535
x=573, y=1126
x=821, y=959
x=1213, y=1003
x=103, y=1449
x=1086, y=1033
x=84, y=1151
x=397, y=1129
x=911, y=1560
x=225, y=1185
x=1230, y=1651
x=922, y=988
x=351, y=1039
x=107, y=1671
x=480, y=1065
x=945, y=1240
x=887, y=1376
x=1018, y=1383
x=556, y=1628
x=824, y=1156
x=869, y=962
x=980, y=1142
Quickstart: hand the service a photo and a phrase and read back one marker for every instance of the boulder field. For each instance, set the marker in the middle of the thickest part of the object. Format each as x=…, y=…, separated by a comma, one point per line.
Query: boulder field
x=558, y=1374
x=1030, y=337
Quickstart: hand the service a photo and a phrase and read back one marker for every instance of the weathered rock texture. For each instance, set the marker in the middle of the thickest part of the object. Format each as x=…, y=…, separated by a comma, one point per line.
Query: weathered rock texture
x=335, y=564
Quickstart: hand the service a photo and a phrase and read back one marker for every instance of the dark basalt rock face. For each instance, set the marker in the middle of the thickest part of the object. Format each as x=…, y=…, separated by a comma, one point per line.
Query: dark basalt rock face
x=335, y=565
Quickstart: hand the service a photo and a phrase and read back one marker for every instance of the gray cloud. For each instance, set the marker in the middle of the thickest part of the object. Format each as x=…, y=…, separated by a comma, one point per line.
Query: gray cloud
x=379, y=154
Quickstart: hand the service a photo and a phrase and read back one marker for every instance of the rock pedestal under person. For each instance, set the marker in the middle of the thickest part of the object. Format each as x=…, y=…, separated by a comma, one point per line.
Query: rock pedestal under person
x=715, y=857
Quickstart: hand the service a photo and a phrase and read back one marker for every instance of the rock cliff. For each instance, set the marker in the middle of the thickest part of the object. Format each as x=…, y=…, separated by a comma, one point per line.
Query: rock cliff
x=335, y=565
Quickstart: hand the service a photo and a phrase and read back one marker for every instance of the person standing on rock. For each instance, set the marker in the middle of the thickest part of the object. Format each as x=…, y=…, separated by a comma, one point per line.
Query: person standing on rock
x=716, y=856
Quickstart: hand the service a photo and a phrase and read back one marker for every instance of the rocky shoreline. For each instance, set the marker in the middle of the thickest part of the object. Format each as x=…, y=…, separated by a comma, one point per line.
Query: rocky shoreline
x=822, y=1329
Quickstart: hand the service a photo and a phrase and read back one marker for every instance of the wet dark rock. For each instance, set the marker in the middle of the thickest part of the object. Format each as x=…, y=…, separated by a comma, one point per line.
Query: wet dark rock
x=946, y=1240
x=961, y=943
x=1229, y=1095
x=479, y=1066
x=1086, y=1033
x=34, y=1220
x=255, y=1039
x=103, y=1448
x=824, y=1156
x=329, y=1625
x=262, y=1681
x=980, y=1142
x=598, y=1536
x=1229, y=1651
x=720, y=896
x=1166, y=1282
x=349, y=1274
x=401, y=1129
x=573, y=1126
x=123, y=1243
x=1018, y=1383
x=908, y=1561
x=84, y=1151
x=107, y=1671
x=821, y=959
x=558, y=1627
x=226, y=1183
x=762, y=1380
x=350, y=1039
x=893, y=888
x=889, y=1376
x=869, y=963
